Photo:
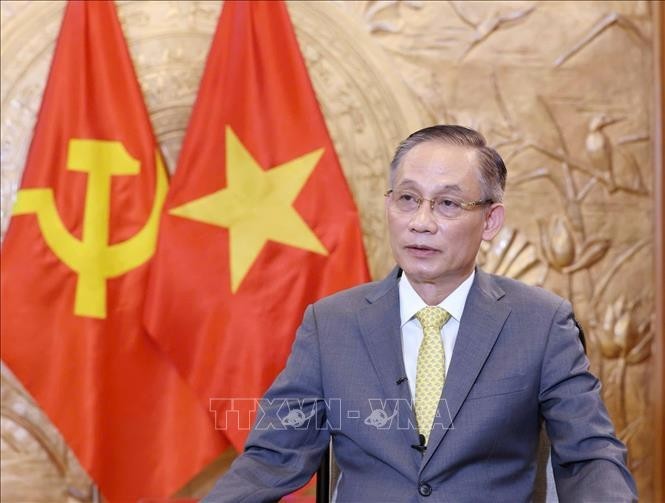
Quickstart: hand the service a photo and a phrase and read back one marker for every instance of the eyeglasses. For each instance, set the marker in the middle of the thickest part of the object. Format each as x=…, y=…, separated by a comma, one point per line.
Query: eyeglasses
x=444, y=206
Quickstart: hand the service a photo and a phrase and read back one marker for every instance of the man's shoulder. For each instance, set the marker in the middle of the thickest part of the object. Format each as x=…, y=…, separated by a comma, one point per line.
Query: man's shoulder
x=354, y=298
x=524, y=294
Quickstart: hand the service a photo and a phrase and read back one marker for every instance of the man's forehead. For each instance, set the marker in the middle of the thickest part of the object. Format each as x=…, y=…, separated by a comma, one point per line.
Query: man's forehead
x=436, y=158
x=438, y=167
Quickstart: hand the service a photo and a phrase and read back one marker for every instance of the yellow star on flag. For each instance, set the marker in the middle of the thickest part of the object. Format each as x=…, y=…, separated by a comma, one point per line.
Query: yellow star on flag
x=256, y=206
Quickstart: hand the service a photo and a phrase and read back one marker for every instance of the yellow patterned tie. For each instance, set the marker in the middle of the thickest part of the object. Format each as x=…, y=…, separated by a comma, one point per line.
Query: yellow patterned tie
x=431, y=370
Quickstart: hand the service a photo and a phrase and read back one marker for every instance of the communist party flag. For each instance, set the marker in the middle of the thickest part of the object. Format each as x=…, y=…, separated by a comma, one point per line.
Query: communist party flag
x=259, y=220
x=74, y=273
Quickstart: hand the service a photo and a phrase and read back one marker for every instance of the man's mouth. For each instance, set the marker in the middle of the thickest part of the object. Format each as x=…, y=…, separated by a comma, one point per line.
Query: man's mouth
x=421, y=250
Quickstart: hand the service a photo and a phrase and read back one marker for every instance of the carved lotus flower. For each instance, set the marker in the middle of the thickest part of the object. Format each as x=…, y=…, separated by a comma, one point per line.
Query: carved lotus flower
x=563, y=252
x=620, y=335
x=511, y=254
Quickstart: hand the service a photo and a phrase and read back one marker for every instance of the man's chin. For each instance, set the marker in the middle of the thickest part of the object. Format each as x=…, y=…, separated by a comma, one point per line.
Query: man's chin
x=420, y=275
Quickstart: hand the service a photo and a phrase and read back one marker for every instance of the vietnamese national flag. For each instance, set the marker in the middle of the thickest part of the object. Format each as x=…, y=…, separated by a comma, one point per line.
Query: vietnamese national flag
x=74, y=273
x=259, y=220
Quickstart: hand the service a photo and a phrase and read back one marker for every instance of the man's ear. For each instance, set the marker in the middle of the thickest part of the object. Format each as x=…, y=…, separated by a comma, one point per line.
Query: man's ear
x=493, y=221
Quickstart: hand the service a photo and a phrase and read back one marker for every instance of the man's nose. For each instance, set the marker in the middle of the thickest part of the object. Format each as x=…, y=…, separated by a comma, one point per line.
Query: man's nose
x=423, y=219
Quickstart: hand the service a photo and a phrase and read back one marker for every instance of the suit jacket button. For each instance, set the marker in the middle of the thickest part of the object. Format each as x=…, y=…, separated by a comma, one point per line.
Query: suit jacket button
x=424, y=489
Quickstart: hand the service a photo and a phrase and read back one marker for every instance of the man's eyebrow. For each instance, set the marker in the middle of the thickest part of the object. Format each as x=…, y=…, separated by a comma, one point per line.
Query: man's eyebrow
x=450, y=188
x=407, y=183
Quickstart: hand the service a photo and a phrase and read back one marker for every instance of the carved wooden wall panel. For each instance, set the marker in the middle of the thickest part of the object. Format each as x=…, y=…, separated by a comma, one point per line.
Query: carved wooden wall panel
x=562, y=89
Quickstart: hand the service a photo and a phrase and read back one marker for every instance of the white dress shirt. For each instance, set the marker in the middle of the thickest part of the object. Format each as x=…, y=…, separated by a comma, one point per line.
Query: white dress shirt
x=412, y=333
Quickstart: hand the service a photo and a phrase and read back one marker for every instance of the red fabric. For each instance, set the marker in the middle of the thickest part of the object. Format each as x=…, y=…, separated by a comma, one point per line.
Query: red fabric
x=134, y=424
x=232, y=345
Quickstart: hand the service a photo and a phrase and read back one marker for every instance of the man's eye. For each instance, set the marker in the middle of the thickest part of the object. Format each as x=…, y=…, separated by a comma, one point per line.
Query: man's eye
x=448, y=203
x=407, y=197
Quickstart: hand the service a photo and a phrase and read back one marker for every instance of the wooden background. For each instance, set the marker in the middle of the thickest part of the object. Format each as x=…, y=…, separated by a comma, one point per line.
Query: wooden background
x=569, y=93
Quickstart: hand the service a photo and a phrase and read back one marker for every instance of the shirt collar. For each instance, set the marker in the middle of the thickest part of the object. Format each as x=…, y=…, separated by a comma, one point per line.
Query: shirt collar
x=410, y=302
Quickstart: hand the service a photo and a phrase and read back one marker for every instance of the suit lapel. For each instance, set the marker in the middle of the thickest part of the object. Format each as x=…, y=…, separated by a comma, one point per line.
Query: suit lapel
x=379, y=324
x=481, y=323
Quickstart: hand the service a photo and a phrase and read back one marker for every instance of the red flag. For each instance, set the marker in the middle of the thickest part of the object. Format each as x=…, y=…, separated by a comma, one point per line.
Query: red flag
x=74, y=272
x=259, y=220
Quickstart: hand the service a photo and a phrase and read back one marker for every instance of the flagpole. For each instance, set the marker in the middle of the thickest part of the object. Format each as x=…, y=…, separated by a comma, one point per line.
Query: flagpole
x=96, y=495
x=323, y=478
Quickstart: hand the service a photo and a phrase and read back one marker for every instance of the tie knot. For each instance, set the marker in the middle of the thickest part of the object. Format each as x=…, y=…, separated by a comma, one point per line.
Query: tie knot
x=432, y=317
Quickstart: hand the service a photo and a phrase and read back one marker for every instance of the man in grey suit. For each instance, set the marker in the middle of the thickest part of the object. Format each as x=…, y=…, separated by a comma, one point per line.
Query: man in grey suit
x=433, y=384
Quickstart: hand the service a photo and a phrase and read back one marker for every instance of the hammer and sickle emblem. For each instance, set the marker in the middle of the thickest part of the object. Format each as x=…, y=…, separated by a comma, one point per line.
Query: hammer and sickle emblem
x=91, y=257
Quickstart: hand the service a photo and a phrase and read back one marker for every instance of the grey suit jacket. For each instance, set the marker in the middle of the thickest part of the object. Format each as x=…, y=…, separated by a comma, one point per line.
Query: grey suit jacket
x=517, y=363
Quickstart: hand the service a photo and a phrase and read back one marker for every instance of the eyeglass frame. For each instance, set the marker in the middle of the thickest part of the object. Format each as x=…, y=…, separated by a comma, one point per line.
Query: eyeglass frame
x=465, y=205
